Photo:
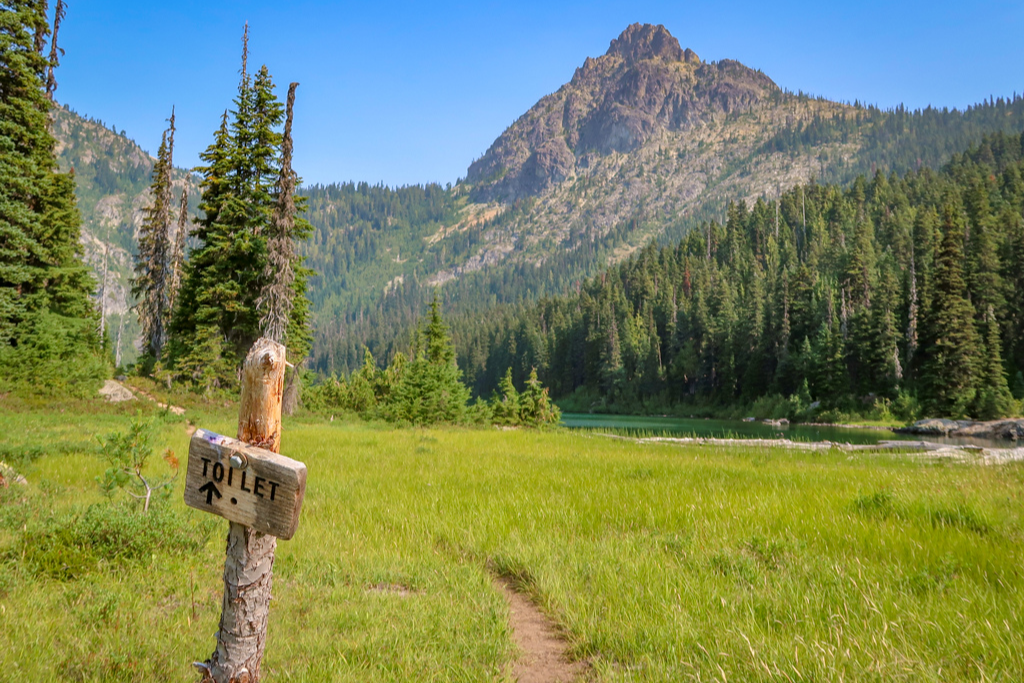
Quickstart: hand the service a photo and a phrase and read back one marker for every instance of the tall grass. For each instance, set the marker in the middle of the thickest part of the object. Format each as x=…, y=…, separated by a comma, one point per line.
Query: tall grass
x=658, y=562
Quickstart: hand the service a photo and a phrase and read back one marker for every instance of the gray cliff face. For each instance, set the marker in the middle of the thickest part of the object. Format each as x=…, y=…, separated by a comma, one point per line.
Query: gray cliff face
x=644, y=85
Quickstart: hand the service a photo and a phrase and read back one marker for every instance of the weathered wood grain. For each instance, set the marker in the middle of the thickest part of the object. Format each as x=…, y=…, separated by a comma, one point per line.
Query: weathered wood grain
x=266, y=494
x=249, y=563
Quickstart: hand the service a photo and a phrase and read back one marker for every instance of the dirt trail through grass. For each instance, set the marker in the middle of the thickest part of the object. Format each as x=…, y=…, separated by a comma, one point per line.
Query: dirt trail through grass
x=177, y=410
x=542, y=652
x=117, y=392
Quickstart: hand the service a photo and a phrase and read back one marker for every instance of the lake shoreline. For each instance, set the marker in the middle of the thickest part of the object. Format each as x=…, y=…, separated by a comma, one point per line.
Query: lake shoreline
x=835, y=425
x=963, y=453
x=704, y=428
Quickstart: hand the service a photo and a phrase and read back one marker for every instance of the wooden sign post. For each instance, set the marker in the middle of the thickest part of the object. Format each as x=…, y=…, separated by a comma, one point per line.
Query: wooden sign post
x=260, y=493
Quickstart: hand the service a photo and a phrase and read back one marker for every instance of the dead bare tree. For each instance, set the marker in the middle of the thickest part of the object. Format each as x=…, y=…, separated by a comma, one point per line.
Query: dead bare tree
x=276, y=300
x=55, y=52
x=152, y=279
x=178, y=252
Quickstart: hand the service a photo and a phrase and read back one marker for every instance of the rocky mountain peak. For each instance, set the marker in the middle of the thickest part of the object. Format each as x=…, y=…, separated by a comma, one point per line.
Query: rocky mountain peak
x=644, y=87
x=646, y=41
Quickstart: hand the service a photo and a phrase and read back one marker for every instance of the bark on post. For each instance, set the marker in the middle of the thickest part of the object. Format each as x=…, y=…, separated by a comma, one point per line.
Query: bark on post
x=248, y=567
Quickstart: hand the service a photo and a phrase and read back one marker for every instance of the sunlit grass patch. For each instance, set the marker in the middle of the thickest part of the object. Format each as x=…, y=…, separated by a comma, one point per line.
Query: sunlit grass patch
x=658, y=562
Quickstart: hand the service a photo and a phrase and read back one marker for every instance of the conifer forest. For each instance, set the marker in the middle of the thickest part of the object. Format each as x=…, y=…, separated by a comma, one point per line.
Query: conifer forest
x=905, y=289
x=890, y=277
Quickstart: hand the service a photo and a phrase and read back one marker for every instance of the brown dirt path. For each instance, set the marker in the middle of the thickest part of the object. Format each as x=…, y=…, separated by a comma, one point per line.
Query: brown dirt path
x=542, y=652
x=177, y=410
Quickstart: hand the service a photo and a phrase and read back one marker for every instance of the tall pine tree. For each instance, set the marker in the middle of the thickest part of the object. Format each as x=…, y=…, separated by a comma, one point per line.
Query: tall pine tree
x=429, y=387
x=48, y=324
x=154, y=277
x=949, y=375
x=994, y=398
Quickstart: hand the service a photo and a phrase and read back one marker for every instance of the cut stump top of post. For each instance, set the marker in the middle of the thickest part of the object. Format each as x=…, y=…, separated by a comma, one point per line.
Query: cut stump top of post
x=259, y=411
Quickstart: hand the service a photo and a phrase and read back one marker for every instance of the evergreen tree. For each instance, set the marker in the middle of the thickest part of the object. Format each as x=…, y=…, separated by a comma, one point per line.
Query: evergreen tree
x=429, y=387
x=153, y=283
x=994, y=398
x=880, y=347
x=1013, y=275
x=202, y=301
x=244, y=277
x=178, y=251
x=535, y=408
x=949, y=375
x=612, y=374
x=985, y=283
x=48, y=324
x=505, y=402
x=828, y=367
x=205, y=364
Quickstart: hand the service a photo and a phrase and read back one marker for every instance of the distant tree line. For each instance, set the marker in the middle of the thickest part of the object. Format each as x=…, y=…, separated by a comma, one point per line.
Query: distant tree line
x=897, y=140
x=898, y=289
x=426, y=387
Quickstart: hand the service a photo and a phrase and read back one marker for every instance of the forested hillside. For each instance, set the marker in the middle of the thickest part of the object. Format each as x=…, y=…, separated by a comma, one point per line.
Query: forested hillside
x=903, y=288
x=645, y=143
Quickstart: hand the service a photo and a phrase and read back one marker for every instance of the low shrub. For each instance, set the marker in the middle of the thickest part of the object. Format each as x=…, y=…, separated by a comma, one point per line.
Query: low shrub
x=67, y=545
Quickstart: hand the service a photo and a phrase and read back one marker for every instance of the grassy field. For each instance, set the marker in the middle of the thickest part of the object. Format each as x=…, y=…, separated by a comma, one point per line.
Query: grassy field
x=658, y=562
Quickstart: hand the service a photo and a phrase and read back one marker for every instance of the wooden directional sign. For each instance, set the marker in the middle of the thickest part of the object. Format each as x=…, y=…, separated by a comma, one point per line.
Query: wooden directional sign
x=244, y=484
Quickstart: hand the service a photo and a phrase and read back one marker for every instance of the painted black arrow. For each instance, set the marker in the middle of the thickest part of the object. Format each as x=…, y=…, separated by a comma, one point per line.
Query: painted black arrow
x=211, y=491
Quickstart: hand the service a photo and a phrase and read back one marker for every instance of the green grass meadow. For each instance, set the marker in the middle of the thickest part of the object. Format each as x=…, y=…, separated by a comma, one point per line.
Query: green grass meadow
x=658, y=562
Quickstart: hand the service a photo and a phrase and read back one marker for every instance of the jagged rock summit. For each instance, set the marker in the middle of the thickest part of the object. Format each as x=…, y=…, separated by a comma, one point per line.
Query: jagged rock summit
x=645, y=84
x=646, y=41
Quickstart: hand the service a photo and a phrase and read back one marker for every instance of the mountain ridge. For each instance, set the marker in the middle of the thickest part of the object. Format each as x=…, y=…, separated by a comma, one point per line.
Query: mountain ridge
x=641, y=144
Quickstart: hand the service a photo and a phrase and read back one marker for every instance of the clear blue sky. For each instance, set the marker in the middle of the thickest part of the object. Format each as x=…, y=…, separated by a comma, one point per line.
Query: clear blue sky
x=411, y=92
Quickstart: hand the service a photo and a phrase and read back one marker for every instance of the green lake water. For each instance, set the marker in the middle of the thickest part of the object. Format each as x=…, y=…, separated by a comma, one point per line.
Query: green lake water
x=738, y=429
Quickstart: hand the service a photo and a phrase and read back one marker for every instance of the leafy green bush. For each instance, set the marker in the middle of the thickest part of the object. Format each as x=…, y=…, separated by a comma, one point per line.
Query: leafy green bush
x=906, y=407
x=770, y=407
